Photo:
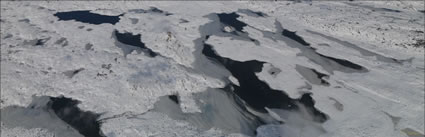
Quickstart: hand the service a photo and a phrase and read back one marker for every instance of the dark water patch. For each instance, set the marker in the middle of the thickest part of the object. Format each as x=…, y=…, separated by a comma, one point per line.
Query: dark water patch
x=220, y=29
x=230, y=26
x=89, y=29
x=312, y=75
x=344, y=63
x=280, y=31
x=38, y=114
x=84, y=121
x=230, y=19
x=220, y=109
x=256, y=93
x=293, y=36
x=422, y=11
x=86, y=16
x=80, y=27
x=72, y=73
x=362, y=51
x=321, y=76
x=57, y=114
x=134, y=41
x=39, y=42
x=329, y=64
x=238, y=108
x=308, y=101
x=174, y=98
x=252, y=13
x=151, y=10
x=201, y=63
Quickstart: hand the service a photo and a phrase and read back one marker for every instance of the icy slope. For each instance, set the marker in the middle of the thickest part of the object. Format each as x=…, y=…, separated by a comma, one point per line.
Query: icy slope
x=358, y=60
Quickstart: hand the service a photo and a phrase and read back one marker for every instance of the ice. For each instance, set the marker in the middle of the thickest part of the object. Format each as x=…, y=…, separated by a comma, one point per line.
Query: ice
x=45, y=56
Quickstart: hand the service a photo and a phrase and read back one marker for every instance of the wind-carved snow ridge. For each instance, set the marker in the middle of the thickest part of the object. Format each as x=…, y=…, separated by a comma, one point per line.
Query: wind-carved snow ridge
x=87, y=17
x=55, y=114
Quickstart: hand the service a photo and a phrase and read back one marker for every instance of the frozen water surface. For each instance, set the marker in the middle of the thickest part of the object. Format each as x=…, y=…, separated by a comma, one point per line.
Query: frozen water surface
x=236, y=68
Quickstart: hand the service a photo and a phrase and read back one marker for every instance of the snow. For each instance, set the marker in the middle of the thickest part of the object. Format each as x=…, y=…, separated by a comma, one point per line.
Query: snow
x=134, y=83
x=22, y=132
x=153, y=124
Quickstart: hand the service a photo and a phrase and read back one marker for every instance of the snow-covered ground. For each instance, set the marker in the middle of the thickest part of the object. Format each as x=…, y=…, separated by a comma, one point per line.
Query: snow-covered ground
x=44, y=56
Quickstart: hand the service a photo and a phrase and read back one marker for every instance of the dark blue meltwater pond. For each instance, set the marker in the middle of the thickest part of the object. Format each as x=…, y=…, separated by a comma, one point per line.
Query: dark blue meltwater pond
x=86, y=16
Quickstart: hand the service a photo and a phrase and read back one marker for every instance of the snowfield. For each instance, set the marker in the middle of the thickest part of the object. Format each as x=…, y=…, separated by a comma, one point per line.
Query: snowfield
x=199, y=68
